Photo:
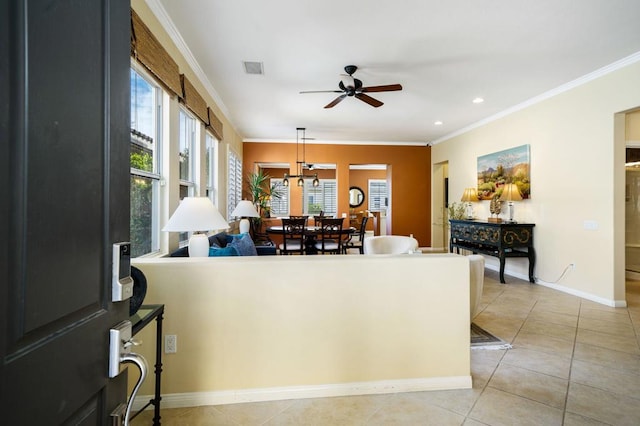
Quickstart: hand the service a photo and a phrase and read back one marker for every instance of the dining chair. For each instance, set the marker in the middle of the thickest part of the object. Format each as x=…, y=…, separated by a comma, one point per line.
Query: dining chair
x=357, y=240
x=317, y=219
x=293, y=230
x=258, y=235
x=330, y=236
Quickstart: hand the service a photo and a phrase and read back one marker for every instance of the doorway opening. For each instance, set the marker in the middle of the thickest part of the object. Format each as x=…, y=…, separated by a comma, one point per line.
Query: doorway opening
x=439, y=201
x=374, y=183
x=632, y=195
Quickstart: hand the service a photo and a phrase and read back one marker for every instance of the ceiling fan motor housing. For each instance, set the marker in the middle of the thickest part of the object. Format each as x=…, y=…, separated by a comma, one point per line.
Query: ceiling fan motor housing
x=350, y=69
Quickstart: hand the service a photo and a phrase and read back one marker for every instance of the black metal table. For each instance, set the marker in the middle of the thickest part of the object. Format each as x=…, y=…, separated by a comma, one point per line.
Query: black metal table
x=140, y=320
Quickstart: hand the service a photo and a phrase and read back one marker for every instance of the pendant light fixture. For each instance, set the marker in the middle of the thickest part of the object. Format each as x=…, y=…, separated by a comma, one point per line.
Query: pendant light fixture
x=300, y=165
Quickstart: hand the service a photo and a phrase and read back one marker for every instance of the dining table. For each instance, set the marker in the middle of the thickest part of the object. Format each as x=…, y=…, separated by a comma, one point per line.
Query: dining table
x=311, y=233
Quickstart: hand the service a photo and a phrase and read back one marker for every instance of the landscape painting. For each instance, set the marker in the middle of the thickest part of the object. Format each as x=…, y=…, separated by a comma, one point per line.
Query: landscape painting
x=503, y=167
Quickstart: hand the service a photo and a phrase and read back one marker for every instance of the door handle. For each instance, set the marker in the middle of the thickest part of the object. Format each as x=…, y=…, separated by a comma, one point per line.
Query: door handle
x=120, y=343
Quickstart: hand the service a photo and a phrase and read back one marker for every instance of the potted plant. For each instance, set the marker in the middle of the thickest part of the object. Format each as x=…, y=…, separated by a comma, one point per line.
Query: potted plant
x=456, y=210
x=261, y=194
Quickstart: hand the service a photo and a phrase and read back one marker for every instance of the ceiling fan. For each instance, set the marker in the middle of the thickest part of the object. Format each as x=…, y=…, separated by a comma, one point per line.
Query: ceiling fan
x=350, y=86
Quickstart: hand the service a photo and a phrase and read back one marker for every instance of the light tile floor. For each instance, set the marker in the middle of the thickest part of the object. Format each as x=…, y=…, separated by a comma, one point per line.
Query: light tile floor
x=573, y=362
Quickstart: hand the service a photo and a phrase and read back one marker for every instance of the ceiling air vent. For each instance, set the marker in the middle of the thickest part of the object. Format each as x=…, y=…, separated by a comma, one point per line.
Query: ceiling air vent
x=253, y=67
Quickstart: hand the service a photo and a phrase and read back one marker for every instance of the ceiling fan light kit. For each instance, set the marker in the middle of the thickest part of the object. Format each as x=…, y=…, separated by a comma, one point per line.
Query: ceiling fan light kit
x=351, y=86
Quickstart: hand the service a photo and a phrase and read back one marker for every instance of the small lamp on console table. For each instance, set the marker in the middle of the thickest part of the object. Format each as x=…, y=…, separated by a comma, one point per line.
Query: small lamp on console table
x=245, y=209
x=511, y=193
x=469, y=195
x=197, y=215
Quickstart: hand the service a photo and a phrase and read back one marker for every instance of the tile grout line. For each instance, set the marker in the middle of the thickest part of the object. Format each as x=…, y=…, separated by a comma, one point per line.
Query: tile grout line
x=521, y=396
x=486, y=385
x=573, y=351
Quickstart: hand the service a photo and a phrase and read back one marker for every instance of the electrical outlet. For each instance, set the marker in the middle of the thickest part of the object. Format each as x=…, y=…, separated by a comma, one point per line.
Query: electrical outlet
x=170, y=344
x=572, y=265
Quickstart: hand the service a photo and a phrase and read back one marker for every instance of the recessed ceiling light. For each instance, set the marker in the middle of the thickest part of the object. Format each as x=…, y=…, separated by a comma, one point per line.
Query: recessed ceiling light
x=478, y=100
x=438, y=123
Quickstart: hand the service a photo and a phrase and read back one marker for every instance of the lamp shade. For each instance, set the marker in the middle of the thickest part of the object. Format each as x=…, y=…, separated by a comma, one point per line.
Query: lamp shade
x=195, y=214
x=469, y=194
x=511, y=193
x=245, y=208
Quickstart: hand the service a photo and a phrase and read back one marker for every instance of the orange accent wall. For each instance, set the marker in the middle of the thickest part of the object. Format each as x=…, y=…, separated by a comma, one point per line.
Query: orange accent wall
x=408, y=170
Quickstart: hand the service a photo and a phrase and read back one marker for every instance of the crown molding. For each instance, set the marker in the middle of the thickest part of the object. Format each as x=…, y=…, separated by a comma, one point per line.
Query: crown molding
x=163, y=17
x=335, y=142
x=624, y=62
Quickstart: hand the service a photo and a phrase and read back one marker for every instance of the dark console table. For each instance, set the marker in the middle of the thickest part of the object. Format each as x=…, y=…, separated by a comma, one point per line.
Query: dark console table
x=501, y=240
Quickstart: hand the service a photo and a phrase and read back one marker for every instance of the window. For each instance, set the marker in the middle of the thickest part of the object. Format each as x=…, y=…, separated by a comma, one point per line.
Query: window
x=378, y=195
x=187, y=152
x=187, y=139
x=212, y=164
x=234, y=184
x=320, y=198
x=280, y=205
x=144, y=161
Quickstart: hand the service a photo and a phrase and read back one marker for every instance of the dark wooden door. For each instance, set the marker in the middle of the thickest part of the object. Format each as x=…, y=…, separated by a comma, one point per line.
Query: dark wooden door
x=64, y=199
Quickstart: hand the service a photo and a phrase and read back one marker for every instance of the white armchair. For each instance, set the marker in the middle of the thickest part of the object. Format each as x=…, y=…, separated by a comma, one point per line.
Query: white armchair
x=390, y=244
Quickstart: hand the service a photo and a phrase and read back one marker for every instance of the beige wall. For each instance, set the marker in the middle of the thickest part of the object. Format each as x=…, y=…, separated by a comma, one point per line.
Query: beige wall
x=577, y=175
x=351, y=320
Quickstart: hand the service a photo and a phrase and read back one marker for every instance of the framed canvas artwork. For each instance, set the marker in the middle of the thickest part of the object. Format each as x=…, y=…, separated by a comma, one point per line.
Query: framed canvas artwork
x=500, y=168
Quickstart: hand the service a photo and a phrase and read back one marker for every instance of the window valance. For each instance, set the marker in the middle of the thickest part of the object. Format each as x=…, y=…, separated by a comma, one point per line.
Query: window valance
x=147, y=50
x=193, y=100
x=215, y=125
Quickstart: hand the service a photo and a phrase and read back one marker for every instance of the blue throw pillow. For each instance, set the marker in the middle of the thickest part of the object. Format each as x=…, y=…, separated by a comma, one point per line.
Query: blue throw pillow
x=243, y=243
x=222, y=251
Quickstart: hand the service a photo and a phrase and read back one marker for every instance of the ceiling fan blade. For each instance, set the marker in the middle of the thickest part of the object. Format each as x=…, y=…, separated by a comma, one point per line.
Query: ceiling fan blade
x=368, y=99
x=336, y=101
x=321, y=91
x=385, y=88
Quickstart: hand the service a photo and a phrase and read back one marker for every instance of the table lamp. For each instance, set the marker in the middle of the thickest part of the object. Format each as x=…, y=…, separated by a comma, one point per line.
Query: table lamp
x=245, y=209
x=468, y=196
x=197, y=215
x=511, y=193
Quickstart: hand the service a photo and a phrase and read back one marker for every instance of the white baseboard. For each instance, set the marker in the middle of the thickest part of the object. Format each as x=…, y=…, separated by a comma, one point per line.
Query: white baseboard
x=568, y=290
x=194, y=399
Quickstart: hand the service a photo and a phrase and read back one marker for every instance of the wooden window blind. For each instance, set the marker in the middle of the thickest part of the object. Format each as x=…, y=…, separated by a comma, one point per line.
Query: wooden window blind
x=147, y=50
x=215, y=125
x=193, y=100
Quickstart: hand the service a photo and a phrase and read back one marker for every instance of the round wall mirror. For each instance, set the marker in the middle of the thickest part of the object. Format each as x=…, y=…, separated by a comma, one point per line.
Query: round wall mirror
x=356, y=196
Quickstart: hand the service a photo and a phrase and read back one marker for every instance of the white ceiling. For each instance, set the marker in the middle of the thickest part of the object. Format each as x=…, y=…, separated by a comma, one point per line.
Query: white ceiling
x=445, y=53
